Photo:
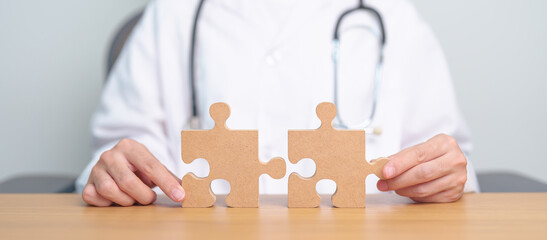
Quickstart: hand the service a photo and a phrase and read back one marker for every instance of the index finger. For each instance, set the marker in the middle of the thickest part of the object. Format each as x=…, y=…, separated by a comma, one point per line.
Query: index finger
x=145, y=162
x=412, y=156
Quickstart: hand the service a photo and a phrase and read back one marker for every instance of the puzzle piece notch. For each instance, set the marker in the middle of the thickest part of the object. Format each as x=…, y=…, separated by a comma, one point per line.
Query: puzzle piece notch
x=339, y=155
x=232, y=155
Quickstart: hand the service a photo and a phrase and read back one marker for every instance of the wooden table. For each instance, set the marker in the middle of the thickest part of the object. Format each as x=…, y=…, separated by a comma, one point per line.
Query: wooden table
x=387, y=216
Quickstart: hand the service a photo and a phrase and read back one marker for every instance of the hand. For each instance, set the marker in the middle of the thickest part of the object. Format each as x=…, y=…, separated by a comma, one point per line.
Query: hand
x=434, y=171
x=125, y=175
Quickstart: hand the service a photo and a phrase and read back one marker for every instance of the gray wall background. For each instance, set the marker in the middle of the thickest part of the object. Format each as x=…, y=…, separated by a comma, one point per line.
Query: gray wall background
x=52, y=56
x=52, y=62
x=497, y=53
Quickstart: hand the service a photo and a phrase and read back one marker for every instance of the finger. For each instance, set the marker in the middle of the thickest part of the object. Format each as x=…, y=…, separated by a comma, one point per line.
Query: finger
x=450, y=195
x=107, y=188
x=143, y=160
x=149, y=182
x=412, y=156
x=179, y=180
x=145, y=179
x=128, y=182
x=421, y=173
x=91, y=197
x=429, y=188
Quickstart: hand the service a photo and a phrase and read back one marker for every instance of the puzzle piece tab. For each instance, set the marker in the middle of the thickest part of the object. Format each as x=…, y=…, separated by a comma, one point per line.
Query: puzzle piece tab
x=339, y=155
x=232, y=155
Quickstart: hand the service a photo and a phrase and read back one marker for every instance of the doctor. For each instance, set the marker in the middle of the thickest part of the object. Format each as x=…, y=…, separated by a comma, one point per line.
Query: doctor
x=271, y=61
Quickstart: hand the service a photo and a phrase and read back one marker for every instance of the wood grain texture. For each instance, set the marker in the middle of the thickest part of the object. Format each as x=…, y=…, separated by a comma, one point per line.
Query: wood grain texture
x=387, y=216
x=339, y=155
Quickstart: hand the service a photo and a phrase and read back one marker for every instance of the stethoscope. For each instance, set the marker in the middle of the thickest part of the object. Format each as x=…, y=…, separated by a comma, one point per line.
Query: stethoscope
x=339, y=122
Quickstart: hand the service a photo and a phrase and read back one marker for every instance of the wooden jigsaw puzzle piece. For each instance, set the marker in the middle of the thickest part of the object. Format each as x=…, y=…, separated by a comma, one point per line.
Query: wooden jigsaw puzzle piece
x=339, y=155
x=302, y=192
x=232, y=155
x=201, y=196
x=275, y=168
x=376, y=167
x=244, y=186
x=243, y=194
x=351, y=190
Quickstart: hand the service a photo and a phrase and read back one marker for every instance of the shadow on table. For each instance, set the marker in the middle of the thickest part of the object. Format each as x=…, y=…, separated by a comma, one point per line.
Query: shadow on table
x=281, y=200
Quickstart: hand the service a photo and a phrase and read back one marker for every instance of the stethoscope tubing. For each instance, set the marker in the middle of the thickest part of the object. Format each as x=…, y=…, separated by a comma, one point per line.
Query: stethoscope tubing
x=339, y=122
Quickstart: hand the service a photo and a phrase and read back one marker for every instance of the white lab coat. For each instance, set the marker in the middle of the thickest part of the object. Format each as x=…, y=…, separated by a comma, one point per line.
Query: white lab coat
x=271, y=61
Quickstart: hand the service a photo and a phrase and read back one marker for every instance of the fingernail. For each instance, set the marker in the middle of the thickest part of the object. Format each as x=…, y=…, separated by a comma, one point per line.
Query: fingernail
x=177, y=194
x=382, y=185
x=389, y=170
